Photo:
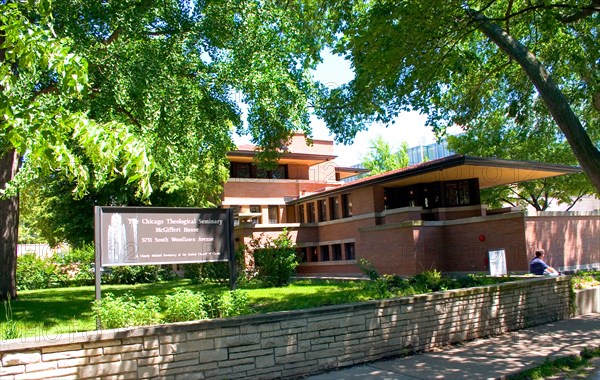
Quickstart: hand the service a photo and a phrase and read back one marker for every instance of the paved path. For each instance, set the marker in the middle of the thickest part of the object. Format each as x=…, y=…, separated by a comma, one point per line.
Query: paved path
x=491, y=358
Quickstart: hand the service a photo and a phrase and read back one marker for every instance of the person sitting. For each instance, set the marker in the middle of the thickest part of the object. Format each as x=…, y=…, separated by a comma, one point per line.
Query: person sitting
x=539, y=267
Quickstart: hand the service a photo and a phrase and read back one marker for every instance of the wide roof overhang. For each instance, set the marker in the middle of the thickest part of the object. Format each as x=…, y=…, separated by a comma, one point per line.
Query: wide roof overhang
x=286, y=158
x=490, y=172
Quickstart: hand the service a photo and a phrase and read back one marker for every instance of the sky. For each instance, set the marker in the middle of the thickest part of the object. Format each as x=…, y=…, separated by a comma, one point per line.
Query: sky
x=409, y=126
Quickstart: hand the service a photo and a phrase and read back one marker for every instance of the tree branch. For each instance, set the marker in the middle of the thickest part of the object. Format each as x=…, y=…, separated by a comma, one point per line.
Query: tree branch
x=114, y=36
x=581, y=12
x=129, y=115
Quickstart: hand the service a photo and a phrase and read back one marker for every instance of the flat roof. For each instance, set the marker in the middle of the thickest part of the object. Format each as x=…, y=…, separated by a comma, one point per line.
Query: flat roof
x=284, y=158
x=490, y=172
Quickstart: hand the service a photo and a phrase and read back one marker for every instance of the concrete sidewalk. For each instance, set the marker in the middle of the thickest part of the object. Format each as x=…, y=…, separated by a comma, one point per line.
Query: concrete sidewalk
x=490, y=358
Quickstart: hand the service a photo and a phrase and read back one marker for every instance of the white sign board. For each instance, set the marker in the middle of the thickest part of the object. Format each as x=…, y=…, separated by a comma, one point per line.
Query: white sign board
x=497, y=259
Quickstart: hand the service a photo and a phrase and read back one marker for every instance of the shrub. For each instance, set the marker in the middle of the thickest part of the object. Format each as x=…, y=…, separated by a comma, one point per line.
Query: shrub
x=126, y=311
x=227, y=304
x=34, y=272
x=10, y=329
x=275, y=259
x=207, y=272
x=368, y=269
x=132, y=274
x=184, y=305
x=427, y=281
x=75, y=267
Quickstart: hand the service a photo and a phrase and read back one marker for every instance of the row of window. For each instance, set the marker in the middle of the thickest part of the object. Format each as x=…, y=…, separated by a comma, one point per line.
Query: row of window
x=325, y=209
x=324, y=253
x=251, y=170
x=254, y=216
x=434, y=194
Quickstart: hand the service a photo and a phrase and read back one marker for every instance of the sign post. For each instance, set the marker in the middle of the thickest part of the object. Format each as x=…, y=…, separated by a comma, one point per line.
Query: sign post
x=162, y=235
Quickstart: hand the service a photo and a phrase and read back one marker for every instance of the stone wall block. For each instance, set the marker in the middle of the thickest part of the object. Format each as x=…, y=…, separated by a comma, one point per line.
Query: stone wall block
x=124, y=348
x=60, y=373
x=21, y=358
x=214, y=355
x=95, y=371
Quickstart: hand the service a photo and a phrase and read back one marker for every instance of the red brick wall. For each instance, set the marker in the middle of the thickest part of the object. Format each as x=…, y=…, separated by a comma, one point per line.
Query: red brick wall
x=570, y=242
x=389, y=250
x=467, y=244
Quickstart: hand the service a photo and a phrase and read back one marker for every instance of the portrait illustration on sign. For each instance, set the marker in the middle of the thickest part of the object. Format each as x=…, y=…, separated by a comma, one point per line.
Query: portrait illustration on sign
x=117, y=238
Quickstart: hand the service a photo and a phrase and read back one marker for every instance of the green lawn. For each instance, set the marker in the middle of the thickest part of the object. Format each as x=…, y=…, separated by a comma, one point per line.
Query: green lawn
x=67, y=310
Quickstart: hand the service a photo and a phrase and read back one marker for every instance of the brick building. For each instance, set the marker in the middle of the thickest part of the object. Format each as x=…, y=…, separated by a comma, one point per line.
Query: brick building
x=426, y=216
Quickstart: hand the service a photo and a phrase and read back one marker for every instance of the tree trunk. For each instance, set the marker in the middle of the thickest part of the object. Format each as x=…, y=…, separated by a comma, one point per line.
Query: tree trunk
x=9, y=228
x=585, y=151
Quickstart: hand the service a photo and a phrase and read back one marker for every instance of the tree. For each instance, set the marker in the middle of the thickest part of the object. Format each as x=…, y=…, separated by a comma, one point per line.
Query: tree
x=536, y=141
x=39, y=78
x=144, y=93
x=461, y=61
x=381, y=158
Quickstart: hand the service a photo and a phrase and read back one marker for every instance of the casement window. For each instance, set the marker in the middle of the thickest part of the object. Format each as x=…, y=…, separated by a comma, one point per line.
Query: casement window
x=346, y=205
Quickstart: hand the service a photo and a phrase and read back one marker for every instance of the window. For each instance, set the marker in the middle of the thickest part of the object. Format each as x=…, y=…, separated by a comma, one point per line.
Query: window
x=236, y=214
x=324, y=252
x=322, y=210
x=312, y=254
x=255, y=209
x=337, y=252
x=279, y=173
x=250, y=170
x=240, y=170
x=350, y=253
x=301, y=214
x=311, y=212
x=301, y=253
x=347, y=205
x=334, y=208
x=273, y=214
x=457, y=193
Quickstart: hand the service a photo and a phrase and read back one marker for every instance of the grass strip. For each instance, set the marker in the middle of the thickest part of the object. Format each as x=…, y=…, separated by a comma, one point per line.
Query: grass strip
x=565, y=367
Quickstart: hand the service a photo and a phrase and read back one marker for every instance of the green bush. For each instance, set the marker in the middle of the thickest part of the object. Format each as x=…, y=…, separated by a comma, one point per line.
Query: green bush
x=75, y=267
x=428, y=281
x=126, y=311
x=35, y=272
x=227, y=304
x=132, y=274
x=184, y=305
x=368, y=269
x=275, y=260
x=207, y=272
x=10, y=329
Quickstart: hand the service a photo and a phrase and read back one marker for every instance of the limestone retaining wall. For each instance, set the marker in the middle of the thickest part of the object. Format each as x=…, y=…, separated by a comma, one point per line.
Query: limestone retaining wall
x=289, y=344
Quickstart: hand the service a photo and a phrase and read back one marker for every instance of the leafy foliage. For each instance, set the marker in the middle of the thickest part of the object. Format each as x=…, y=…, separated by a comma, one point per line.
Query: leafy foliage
x=498, y=136
x=11, y=328
x=275, y=260
x=126, y=311
x=469, y=63
x=393, y=285
x=183, y=305
x=381, y=158
x=76, y=268
x=133, y=274
x=34, y=272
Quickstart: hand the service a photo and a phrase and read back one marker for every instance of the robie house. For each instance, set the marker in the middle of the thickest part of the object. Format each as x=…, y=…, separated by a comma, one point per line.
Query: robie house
x=426, y=216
